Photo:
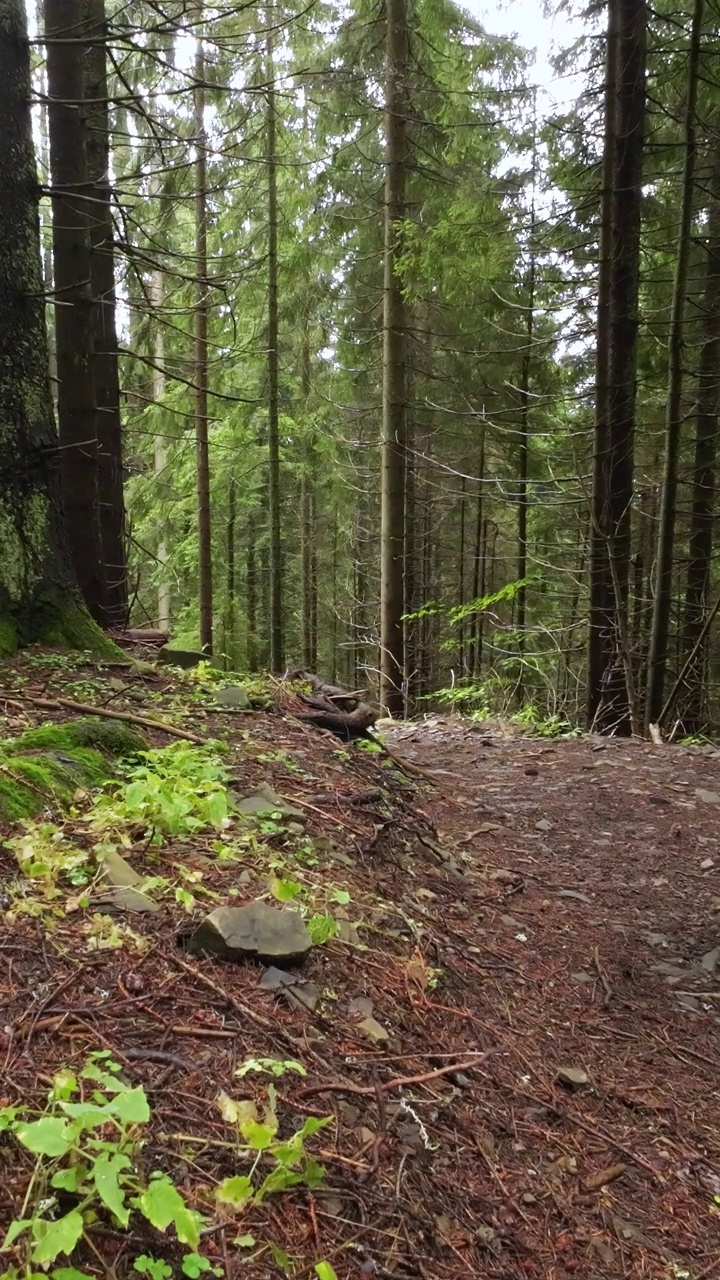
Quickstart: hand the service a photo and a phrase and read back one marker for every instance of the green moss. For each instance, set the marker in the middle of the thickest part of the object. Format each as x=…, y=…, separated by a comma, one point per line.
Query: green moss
x=113, y=736
x=47, y=765
x=72, y=627
x=8, y=638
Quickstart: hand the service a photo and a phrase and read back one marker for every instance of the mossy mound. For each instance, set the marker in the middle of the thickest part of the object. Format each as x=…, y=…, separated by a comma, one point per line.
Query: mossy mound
x=45, y=766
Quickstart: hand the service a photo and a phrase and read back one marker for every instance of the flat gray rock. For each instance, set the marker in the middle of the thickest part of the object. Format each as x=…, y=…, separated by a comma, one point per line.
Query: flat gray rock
x=126, y=899
x=266, y=800
x=256, y=932
x=233, y=697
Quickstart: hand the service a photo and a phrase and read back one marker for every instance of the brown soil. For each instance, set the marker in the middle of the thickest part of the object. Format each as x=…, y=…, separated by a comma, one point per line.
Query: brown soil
x=535, y=908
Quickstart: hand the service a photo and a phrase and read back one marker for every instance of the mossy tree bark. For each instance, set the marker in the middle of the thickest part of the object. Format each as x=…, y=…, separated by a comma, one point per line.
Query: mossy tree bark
x=66, y=33
x=38, y=595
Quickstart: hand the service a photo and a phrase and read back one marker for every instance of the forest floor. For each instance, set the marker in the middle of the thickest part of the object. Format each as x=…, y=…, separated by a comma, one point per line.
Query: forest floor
x=516, y=1030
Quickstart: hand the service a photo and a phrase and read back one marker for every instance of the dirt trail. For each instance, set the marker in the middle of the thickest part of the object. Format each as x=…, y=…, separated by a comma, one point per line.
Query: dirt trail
x=516, y=1030
x=606, y=936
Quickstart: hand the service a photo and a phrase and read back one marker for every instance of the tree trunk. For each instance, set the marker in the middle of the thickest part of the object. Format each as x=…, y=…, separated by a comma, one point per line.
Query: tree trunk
x=616, y=710
x=461, y=579
x=156, y=292
x=39, y=600
x=600, y=604
x=105, y=365
x=73, y=295
x=703, y=475
x=394, y=408
x=202, y=308
x=230, y=586
x=657, y=660
x=523, y=459
x=477, y=555
x=251, y=596
x=276, y=566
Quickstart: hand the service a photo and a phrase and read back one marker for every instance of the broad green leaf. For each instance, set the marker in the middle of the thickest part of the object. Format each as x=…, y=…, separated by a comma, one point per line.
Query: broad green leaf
x=217, y=808
x=105, y=1172
x=89, y=1115
x=313, y=1174
x=276, y=1066
x=341, y=896
x=245, y=1242
x=131, y=1106
x=236, y=1111
x=63, y=1087
x=285, y=890
x=54, y=1238
x=154, y=1267
x=257, y=1136
x=279, y=1180
x=314, y=1124
x=69, y=1179
x=235, y=1191
x=70, y=1273
x=16, y=1229
x=8, y=1116
x=324, y=1271
x=49, y=1136
x=193, y=1265
x=162, y=1204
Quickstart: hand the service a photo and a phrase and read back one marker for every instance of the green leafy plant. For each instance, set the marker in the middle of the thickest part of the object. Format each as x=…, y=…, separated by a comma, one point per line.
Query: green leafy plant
x=172, y=791
x=274, y=1066
x=258, y=1141
x=322, y=928
x=87, y=1145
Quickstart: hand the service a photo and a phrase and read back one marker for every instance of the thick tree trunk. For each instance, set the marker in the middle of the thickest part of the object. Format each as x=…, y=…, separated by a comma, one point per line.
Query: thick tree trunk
x=616, y=710
x=690, y=703
x=600, y=604
x=39, y=600
x=66, y=30
x=657, y=660
x=202, y=308
x=229, y=644
x=251, y=595
x=473, y=663
x=105, y=365
x=394, y=409
x=277, y=657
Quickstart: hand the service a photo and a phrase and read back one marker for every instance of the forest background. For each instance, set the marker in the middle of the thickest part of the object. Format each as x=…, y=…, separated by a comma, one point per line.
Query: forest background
x=381, y=348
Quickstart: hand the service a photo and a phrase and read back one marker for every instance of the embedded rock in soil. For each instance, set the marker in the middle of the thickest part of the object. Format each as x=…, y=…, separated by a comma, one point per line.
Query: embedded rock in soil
x=265, y=800
x=185, y=658
x=255, y=932
x=233, y=698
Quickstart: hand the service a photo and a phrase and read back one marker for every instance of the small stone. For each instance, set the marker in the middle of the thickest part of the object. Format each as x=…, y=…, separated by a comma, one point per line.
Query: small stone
x=117, y=870
x=531, y=770
x=125, y=898
x=573, y=893
x=256, y=932
x=572, y=1078
x=707, y=864
x=233, y=697
x=348, y=933
x=707, y=797
x=581, y=976
x=544, y=825
x=710, y=960
x=245, y=877
x=265, y=800
x=528, y=1198
x=362, y=1005
x=374, y=1031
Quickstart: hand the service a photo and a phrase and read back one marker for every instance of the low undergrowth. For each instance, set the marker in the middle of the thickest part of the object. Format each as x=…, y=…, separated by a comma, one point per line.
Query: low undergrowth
x=91, y=1174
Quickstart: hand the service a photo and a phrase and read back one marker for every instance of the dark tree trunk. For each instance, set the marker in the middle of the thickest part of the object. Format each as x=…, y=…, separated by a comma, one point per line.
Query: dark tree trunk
x=691, y=698
x=202, y=308
x=105, y=364
x=73, y=295
x=276, y=567
x=614, y=711
x=657, y=659
x=39, y=600
x=601, y=595
x=394, y=413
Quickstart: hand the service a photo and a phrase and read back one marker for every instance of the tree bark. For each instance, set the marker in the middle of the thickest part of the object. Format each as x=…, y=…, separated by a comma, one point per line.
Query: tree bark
x=202, y=307
x=73, y=295
x=524, y=455
x=610, y=699
x=394, y=408
x=657, y=659
x=39, y=599
x=276, y=566
x=691, y=708
x=105, y=364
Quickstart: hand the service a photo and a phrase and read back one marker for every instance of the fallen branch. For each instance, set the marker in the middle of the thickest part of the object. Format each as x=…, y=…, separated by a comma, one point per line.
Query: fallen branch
x=84, y=708
x=370, y=1090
